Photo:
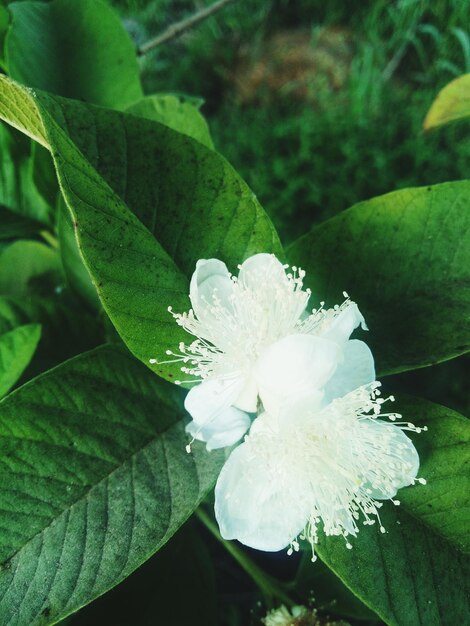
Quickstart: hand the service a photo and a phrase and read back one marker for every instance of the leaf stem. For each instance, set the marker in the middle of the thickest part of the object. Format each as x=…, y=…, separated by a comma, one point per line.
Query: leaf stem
x=271, y=588
x=49, y=238
x=178, y=28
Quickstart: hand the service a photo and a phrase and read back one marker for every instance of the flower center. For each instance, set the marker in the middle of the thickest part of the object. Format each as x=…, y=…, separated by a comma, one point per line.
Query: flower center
x=230, y=333
x=339, y=461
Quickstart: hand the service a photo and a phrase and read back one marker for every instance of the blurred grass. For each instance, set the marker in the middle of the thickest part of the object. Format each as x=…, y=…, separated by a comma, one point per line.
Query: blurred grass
x=309, y=158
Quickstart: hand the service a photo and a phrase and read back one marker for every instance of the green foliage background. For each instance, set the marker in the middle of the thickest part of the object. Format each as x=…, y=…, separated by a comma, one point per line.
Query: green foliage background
x=103, y=215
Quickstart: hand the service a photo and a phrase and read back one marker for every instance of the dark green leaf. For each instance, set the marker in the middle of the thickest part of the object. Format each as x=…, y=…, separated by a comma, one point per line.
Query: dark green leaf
x=409, y=576
x=95, y=479
x=29, y=268
x=405, y=259
x=13, y=226
x=16, y=351
x=318, y=581
x=44, y=176
x=75, y=49
x=4, y=22
x=175, y=112
x=414, y=574
x=153, y=594
x=187, y=203
x=75, y=270
x=17, y=189
x=444, y=503
x=66, y=329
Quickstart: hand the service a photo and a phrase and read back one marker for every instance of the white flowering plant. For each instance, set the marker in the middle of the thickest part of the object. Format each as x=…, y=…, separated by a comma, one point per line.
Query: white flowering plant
x=176, y=382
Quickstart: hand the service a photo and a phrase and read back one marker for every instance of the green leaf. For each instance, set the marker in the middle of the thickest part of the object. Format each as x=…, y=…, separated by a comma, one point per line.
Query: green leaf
x=44, y=176
x=75, y=49
x=414, y=574
x=16, y=351
x=18, y=191
x=444, y=503
x=175, y=112
x=146, y=203
x=75, y=270
x=405, y=259
x=95, y=479
x=318, y=581
x=452, y=104
x=13, y=226
x=29, y=267
x=152, y=594
x=66, y=329
x=4, y=23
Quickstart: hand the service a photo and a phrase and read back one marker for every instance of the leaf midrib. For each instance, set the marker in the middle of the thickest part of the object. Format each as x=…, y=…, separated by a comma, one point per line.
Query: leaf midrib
x=87, y=489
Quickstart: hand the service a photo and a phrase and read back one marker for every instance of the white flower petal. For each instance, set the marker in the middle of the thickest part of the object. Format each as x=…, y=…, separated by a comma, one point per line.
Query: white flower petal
x=293, y=368
x=210, y=279
x=253, y=507
x=247, y=400
x=343, y=324
x=206, y=400
x=400, y=449
x=356, y=369
x=328, y=468
x=225, y=429
x=258, y=267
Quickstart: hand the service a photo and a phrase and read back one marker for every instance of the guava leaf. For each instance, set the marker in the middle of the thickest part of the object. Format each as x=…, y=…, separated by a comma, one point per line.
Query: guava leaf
x=67, y=330
x=17, y=348
x=15, y=226
x=18, y=192
x=184, y=563
x=29, y=267
x=74, y=268
x=405, y=259
x=319, y=582
x=451, y=104
x=417, y=573
x=147, y=202
x=94, y=480
x=75, y=49
x=175, y=112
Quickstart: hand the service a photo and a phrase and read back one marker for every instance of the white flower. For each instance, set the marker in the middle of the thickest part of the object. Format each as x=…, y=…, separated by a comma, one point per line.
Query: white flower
x=297, y=616
x=328, y=466
x=255, y=340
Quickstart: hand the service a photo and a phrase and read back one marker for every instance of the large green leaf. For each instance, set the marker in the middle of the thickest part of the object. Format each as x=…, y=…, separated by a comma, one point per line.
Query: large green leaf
x=147, y=202
x=405, y=259
x=444, y=503
x=153, y=594
x=452, y=104
x=75, y=270
x=75, y=49
x=16, y=351
x=319, y=582
x=95, y=479
x=414, y=574
x=177, y=113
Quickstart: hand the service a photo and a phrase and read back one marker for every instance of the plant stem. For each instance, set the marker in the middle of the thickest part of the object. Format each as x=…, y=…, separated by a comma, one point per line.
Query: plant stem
x=49, y=238
x=176, y=29
x=271, y=588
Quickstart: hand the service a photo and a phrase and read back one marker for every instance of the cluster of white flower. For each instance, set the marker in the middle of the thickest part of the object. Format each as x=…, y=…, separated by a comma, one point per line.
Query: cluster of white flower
x=317, y=449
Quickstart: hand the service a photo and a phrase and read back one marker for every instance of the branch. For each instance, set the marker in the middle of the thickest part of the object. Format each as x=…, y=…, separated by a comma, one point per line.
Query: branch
x=176, y=29
x=271, y=589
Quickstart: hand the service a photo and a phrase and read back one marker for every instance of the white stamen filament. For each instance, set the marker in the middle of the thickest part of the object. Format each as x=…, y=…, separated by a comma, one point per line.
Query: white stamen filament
x=343, y=461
